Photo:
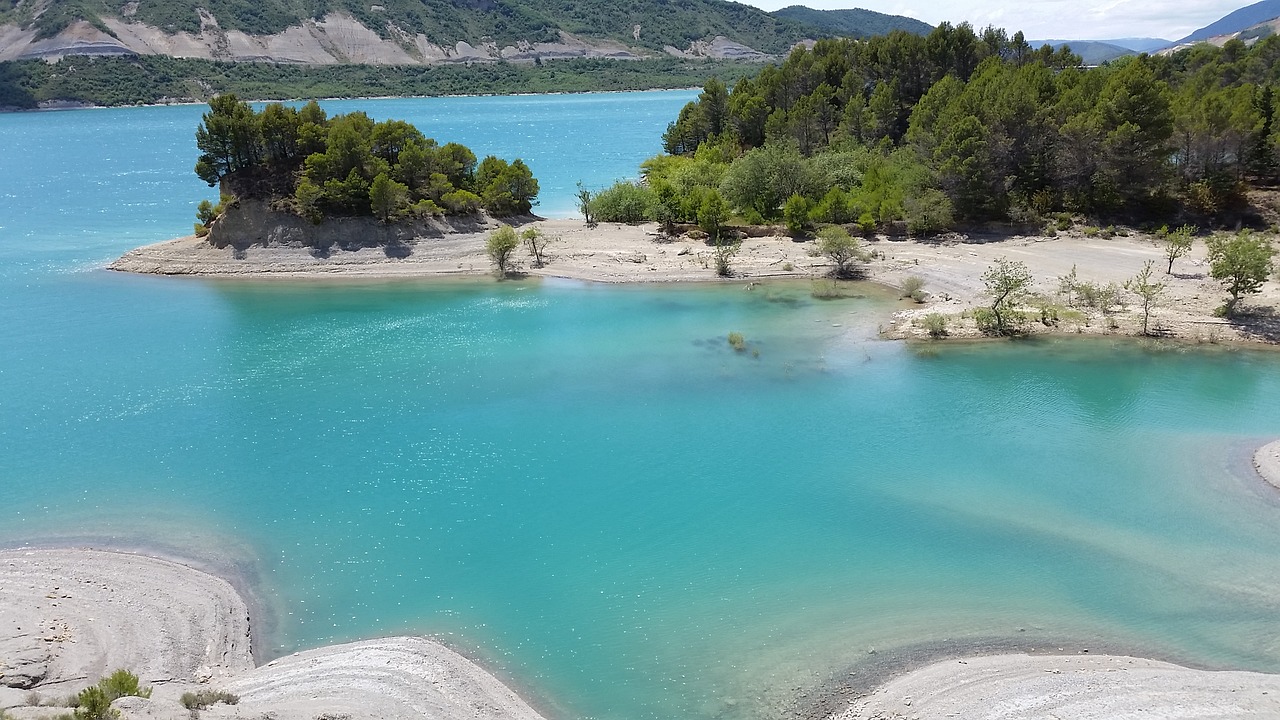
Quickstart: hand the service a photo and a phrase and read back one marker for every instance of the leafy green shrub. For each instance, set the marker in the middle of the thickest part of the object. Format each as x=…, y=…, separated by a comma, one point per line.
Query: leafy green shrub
x=928, y=213
x=94, y=702
x=461, y=202
x=796, y=214
x=985, y=318
x=499, y=246
x=123, y=683
x=624, y=202
x=867, y=223
x=936, y=325
x=205, y=698
x=737, y=341
x=836, y=245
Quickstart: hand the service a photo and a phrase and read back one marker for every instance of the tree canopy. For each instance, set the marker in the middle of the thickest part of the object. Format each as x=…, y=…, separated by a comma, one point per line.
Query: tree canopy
x=980, y=126
x=350, y=165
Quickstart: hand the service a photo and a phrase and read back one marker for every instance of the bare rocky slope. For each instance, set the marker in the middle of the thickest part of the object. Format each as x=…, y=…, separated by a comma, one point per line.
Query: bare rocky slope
x=416, y=32
x=335, y=39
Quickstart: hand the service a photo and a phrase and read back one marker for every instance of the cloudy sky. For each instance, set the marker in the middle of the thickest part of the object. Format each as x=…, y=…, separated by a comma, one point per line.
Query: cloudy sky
x=1050, y=19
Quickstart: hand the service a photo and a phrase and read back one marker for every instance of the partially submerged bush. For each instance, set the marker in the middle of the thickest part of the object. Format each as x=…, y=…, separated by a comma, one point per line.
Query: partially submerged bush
x=737, y=341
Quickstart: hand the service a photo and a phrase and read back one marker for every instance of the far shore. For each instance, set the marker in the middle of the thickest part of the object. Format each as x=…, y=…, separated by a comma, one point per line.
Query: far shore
x=950, y=267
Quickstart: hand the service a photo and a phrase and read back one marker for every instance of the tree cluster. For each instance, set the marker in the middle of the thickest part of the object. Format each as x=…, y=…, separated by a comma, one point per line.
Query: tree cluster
x=959, y=125
x=351, y=165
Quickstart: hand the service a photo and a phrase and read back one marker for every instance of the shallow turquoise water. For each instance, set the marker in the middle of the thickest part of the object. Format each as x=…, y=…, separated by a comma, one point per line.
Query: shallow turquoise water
x=585, y=484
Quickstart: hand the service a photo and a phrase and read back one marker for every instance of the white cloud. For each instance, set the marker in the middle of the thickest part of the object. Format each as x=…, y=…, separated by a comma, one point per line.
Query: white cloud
x=1068, y=19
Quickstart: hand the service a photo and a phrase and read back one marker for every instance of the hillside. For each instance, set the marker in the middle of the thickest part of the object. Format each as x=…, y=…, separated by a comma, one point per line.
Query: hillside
x=396, y=32
x=1092, y=52
x=855, y=23
x=1235, y=22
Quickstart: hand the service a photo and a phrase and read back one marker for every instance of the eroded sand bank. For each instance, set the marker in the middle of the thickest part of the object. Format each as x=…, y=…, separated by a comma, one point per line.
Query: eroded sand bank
x=69, y=616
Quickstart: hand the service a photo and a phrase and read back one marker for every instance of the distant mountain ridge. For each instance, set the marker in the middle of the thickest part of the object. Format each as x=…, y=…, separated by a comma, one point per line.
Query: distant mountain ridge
x=1235, y=22
x=416, y=31
x=1092, y=52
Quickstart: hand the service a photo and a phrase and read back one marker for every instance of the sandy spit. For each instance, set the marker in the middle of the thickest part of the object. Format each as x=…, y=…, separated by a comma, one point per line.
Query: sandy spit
x=1267, y=461
x=1074, y=687
x=69, y=616
x=951, y=268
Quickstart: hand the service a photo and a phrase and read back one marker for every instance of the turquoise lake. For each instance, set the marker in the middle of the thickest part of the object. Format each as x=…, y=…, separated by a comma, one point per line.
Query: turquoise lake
x=584, y=486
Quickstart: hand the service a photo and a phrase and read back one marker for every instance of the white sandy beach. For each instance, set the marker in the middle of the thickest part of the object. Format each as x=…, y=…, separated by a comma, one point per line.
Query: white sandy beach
x=1070, y=687
x=69, y=616
x=1267, y=461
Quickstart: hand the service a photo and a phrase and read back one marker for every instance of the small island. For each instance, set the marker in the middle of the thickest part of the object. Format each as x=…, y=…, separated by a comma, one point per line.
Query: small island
x=299, y=178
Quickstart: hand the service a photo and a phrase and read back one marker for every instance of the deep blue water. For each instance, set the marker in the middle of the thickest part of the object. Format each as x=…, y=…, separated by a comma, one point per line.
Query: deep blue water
x=585, y=485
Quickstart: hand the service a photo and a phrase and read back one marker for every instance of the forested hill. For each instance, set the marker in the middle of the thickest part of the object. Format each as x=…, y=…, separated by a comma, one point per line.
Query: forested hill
x=855, y=23
x=418, y=30
x=966, y=127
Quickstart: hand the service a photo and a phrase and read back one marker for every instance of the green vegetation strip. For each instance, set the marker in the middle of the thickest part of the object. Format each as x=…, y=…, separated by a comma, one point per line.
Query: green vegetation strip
x=155, y=79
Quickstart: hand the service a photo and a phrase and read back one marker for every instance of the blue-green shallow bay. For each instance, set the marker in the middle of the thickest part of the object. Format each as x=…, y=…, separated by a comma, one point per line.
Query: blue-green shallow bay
x=586, y=484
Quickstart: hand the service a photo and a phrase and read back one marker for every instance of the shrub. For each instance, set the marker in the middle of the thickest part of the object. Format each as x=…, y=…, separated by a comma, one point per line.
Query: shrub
x=204, y=698
x=913, y=287
x=936, y=325
x=796, y=214
x=867, y=223
x=94, y=702
x=123, y=683
x=460, y=202
x=928, y=213
x=986, y=320
x=501, y=243
x=737, y=341
x=624, y=202
x=835, y=243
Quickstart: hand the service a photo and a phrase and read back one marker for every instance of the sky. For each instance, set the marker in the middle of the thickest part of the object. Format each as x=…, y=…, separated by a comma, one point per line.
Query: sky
x=1050, y=19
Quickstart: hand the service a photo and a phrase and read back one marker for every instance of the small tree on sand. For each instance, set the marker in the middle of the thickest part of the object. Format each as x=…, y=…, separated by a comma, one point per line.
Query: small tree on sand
x=1148, y=292
x=500, y=246
x=585, y=197
x=1241, y=262
x=1006, y=281
x=835, y=243
x=536, y=241
x=1177, y=244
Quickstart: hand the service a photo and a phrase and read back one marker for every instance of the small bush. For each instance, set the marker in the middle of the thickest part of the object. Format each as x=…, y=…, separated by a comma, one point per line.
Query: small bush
x=737, y=341
x=867, y=223
x=985, y=318
x=913, y=287
x=204, y=698
x=123, y=683
x=936, y=325
x=461, y=202
x=788, y=267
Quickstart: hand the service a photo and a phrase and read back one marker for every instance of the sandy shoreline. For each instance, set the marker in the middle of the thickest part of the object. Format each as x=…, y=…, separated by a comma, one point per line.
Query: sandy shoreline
x=951, y=268
x=70, y=615
x=1267, y=462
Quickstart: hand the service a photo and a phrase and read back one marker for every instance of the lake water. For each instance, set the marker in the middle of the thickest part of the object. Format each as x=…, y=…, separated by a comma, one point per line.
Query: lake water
x=585, y=486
